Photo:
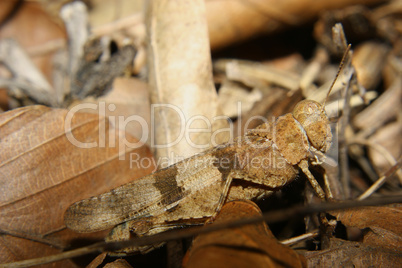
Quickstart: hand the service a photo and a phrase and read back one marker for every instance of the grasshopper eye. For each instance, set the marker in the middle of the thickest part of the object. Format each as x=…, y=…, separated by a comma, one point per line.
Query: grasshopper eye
x=315, y=122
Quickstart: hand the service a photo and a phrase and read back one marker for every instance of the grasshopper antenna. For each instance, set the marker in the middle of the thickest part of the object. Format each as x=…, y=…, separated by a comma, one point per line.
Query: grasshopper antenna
x=337, y=74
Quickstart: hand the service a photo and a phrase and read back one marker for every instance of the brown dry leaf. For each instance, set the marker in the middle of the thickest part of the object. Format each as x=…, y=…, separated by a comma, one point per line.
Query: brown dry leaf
x=246, y=246
x=242, y=20
x=180, y=75
x=129, y=100
x=385, y=238
x=382, y=225
x=384, y=217
x=3, y=100
x=42, y=172
x=118, y=264
x=35, y=31
x=353, y=254
x=381, y=246
x=14, y=248
x=97, y=261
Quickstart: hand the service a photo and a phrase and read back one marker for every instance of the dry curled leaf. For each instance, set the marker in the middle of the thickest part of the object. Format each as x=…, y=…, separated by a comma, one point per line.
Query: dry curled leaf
x=353, y=254
x=97, y=262
x=380, y=246
x=247, y=246
x=118, y=264
x=367, y=217
x=243, y=20
x=100, y=259
x=382, y=225
x=44, y=169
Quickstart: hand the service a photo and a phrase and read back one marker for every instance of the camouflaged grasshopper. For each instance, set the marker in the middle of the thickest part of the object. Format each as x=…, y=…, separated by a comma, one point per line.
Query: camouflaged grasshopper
x=194, y=190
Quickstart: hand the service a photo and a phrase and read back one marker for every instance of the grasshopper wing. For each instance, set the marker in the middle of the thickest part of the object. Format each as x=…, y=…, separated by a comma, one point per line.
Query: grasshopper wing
x=149, y=196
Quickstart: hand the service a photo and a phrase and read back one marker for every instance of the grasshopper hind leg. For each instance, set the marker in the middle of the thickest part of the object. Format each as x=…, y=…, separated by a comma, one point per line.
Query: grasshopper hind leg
x=223, y=196
x=138, y=228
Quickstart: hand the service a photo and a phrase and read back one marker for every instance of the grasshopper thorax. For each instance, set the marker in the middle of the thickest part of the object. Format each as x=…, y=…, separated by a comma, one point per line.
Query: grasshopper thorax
x=311, y=115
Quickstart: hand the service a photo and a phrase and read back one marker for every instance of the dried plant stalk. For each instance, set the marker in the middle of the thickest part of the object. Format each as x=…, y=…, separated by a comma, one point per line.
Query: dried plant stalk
x=180, y=74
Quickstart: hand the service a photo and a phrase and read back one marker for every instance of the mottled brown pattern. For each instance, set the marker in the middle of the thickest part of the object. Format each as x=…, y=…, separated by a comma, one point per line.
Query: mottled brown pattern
x=263, y=164
x=291, y=139
x=165, y=182
x=225, y=161
x=192, y=190
x=315, y=124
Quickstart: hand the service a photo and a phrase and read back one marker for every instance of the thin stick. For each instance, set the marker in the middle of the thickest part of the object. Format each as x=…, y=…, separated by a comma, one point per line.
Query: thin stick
x=383, y=151
x=300, y=238
x=343, y=148
x=269, y=217
x=380, y=181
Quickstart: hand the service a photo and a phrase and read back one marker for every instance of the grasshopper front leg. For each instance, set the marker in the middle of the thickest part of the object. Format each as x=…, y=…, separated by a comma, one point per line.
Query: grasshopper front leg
x=304, y=167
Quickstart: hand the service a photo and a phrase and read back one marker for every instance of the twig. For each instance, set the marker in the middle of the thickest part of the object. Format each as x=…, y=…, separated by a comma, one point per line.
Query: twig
x=269, y=217
x=300, y=238
x=250, y=73
x=18, y=62
x=384, y=152
x=343, y=149
x=75, y=18
x=380, y=181
x=35, y=238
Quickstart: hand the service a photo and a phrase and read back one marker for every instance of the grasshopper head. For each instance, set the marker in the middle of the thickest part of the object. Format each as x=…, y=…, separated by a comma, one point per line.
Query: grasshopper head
x=312, y=117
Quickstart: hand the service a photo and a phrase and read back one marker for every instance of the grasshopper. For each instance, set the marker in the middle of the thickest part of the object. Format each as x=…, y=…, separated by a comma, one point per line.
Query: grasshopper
x=194, y=190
